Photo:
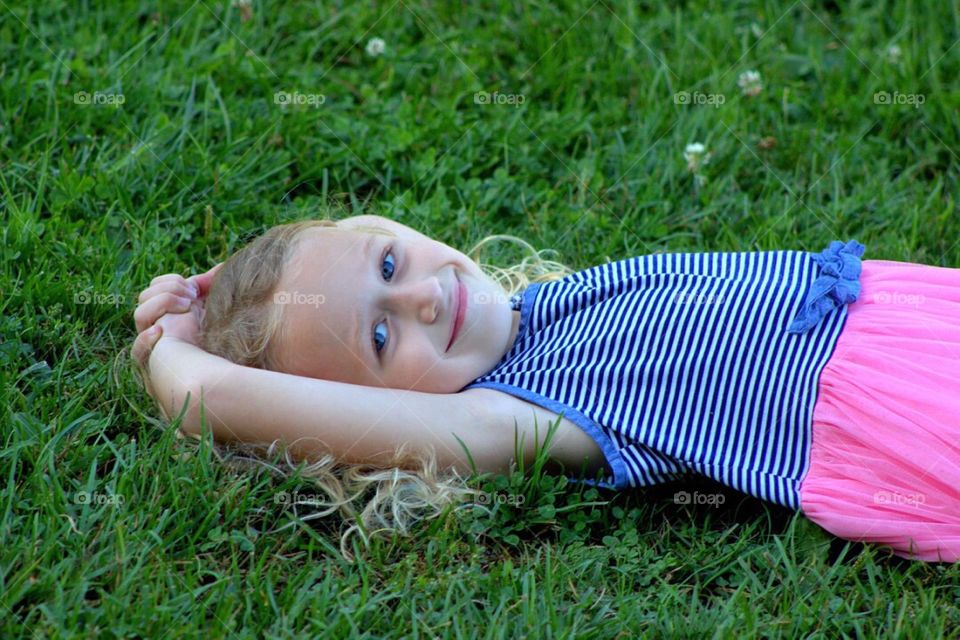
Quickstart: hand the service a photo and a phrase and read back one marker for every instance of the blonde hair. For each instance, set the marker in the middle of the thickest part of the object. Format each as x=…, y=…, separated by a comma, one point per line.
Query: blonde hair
x=241, y=323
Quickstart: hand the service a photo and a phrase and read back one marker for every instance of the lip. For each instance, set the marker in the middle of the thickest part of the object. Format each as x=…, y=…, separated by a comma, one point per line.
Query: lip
x=459, y=306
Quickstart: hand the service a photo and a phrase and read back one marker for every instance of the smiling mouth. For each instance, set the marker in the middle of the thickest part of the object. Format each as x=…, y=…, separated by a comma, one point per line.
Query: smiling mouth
x=458, y=303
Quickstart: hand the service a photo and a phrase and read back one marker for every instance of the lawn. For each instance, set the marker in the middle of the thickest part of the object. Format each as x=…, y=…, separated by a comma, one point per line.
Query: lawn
x=145, y=138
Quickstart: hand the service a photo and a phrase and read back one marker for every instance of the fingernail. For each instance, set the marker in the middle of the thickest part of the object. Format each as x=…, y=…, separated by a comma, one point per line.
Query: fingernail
x=183, y=302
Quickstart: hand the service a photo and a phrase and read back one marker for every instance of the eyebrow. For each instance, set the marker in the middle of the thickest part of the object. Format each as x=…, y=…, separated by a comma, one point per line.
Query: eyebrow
x=361, y=318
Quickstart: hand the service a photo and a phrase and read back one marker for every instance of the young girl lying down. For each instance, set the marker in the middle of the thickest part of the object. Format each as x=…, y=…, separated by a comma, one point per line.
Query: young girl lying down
x=813, y=380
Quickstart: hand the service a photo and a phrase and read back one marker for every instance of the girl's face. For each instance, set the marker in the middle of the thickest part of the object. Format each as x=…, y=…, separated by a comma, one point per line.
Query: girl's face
x=379, y=310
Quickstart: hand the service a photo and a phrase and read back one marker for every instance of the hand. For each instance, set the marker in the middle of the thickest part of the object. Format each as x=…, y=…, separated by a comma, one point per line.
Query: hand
x=170, y=306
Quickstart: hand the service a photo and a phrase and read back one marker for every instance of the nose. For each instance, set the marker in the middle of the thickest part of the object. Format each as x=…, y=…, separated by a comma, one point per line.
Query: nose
x=423, y=298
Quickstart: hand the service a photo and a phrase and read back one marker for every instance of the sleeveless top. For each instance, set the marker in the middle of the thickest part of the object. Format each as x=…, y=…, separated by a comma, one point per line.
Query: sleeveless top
x=682, y=363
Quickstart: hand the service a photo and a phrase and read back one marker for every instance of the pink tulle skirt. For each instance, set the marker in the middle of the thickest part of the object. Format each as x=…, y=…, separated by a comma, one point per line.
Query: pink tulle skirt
x=885, y=456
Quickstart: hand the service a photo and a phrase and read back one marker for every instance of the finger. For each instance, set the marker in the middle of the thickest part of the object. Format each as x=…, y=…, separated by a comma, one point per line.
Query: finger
x=179, y=288
x=148, y=312
x=153, y=309
x=141, y=349
x=195, y=284
x=167, y=277
x=143, y=345
x=203, y=281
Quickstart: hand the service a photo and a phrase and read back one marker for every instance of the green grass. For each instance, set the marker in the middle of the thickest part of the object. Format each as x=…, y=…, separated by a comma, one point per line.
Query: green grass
x=98, y=199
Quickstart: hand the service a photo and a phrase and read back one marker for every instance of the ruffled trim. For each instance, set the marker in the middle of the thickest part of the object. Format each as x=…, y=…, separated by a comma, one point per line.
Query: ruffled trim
x=837, y=284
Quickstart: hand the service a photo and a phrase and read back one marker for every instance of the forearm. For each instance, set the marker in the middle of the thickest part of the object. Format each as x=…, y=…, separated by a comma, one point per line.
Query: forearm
x=354, y=423
x=176, y=369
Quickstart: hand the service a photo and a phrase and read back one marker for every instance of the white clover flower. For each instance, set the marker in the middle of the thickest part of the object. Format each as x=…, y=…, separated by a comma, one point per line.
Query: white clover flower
x=695, y=156
x=749, y=83
x=893, y=53
x=246, y=9
x=375, y=47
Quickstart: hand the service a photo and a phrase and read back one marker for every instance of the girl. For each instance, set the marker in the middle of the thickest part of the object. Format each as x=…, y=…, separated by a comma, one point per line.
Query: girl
x=817, y=381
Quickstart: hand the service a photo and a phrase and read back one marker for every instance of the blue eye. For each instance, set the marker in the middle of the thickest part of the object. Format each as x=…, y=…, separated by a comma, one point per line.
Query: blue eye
x=387, y=268
x=378, y=346
x=392, y=266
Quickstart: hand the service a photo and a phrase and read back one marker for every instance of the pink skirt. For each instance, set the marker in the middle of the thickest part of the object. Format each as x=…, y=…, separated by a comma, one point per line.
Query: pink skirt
x=885, y=455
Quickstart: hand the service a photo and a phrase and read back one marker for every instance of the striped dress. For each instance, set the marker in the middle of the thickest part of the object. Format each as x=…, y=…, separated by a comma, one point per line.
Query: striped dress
x=682, y=363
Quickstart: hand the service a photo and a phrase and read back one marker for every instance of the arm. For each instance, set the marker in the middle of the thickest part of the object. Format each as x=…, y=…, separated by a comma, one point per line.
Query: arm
x=357, y=424
x=354, y=423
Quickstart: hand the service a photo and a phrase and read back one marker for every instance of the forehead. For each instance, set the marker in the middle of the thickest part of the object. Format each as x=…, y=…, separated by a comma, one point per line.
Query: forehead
x=320, y=291
x=325, y=275
x=328, y=247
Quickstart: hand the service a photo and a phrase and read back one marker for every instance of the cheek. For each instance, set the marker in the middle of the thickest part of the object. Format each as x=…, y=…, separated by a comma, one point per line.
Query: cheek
x=414, y=362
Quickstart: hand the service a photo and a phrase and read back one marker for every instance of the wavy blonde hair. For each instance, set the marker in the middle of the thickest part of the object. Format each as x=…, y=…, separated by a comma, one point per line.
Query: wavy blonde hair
x=241, y=323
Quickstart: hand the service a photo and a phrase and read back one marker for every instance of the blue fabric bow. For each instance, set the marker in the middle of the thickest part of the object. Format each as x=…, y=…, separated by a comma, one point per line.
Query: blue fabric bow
x=837, y=284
